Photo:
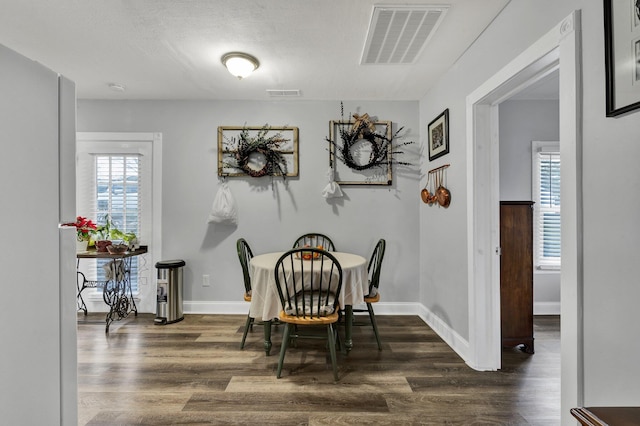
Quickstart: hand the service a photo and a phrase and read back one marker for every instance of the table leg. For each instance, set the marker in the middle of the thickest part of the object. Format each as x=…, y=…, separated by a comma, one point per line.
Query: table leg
x=79, y=299
x=267, y=336
x=348, y=327
x=127, y=276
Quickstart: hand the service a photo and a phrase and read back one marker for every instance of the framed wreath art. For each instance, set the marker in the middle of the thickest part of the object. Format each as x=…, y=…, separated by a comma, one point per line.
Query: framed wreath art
x=257, y=151
x=364, y=149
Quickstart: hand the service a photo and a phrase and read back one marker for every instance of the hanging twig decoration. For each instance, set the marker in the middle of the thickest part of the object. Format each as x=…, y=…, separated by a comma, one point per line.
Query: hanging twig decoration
x=363, y=129
x=245, y=146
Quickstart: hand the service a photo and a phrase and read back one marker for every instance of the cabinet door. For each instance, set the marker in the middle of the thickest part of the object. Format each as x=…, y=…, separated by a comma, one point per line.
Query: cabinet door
x=516, y=274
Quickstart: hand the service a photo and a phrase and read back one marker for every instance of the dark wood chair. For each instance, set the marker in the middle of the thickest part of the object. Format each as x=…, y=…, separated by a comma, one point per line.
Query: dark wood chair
x=314, y=240
x=375, y=265
x=244, y=255
x=309, y=281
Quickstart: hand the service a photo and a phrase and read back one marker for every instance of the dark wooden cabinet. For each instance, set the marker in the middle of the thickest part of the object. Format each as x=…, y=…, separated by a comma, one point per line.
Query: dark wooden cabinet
x=516, y=274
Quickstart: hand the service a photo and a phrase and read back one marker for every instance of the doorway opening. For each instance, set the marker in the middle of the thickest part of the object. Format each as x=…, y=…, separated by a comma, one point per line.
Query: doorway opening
x=558, y=49
x=119, y=173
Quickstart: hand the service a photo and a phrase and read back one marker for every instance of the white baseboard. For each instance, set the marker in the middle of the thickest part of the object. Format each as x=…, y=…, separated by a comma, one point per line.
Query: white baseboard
x=229, y=308
x=546, y=308
x=446, y=333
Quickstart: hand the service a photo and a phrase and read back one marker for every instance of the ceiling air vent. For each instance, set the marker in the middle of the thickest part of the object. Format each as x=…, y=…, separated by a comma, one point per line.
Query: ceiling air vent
x=283, y=93
x=397, y=34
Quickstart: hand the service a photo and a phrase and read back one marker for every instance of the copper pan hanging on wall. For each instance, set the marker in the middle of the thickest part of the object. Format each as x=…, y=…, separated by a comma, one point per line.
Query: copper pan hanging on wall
x=424, y=194
x=442, y=193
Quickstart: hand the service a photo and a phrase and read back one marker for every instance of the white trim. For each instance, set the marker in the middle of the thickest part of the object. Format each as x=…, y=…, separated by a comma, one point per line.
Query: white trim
x=558, y=46
x=446, y=333
x=546, y=308
x=538, y=147
x=156, y=207
x=210, y=307
x=116, y=136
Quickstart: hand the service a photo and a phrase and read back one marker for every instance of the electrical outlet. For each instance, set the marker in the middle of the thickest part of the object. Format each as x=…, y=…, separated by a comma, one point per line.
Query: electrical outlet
x=205, y=281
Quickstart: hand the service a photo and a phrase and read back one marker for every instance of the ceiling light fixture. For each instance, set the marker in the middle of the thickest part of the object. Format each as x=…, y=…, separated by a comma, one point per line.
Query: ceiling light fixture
x=240, y=64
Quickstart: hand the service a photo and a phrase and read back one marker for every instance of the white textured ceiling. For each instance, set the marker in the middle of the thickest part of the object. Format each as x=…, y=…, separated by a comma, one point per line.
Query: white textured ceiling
x=171, y=49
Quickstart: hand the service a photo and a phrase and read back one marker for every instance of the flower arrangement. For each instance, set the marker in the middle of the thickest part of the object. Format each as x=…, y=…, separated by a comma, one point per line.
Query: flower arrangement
x=84, y=228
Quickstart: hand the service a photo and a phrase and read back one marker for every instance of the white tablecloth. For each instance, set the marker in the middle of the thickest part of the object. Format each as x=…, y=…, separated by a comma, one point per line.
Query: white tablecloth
x=265, y=302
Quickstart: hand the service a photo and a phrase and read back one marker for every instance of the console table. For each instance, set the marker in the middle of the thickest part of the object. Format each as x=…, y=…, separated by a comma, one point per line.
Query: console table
x=116, y=291
x=607, y=416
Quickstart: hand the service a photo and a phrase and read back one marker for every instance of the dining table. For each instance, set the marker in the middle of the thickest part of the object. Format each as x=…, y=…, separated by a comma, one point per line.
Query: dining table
x=265, y=301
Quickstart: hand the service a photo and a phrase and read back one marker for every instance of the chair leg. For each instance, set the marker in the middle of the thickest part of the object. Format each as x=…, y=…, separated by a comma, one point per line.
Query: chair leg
x=331, y=335
x=249, y=324
x=372, y=316
x=283, y=349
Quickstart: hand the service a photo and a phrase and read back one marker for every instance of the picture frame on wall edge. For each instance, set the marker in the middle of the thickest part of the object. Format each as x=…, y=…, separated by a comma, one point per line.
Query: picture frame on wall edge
x=438, y=133
x=622, y=56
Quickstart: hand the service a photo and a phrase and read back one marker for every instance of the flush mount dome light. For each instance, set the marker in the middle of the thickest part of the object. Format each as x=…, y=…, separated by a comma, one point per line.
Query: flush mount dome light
x=240, y=64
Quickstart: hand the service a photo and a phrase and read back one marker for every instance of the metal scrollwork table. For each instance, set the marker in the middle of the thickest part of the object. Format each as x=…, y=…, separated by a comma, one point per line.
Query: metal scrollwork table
x=116, y=291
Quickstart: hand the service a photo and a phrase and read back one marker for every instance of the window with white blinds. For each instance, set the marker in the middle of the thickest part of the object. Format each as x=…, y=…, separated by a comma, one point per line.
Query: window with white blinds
x=117, y=189
x=546, y=194
x=112, y=182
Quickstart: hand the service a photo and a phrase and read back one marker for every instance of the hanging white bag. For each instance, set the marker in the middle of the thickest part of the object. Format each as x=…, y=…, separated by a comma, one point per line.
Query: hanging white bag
x=332, y=190
x=224, y=210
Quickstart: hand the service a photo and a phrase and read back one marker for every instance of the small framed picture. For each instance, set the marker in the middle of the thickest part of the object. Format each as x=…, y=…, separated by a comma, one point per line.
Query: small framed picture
x=438, y=131
x=622, y=55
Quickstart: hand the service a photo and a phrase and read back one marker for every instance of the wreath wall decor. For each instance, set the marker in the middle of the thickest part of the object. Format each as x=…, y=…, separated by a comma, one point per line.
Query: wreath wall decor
x=257, y=151
x=373, y=137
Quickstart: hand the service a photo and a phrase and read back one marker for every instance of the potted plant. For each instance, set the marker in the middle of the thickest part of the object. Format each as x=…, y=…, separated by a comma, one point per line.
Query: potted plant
x=84, y=228
x=102, y=234
x=129, y=238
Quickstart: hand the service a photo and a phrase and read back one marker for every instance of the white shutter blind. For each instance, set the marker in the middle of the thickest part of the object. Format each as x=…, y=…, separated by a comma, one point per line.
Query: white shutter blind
x=110, y=183
x=547, y=207
x=117, y=189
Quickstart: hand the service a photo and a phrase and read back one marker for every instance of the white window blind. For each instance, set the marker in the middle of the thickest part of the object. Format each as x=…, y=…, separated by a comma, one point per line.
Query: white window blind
x=117, y=189
x=546, y=191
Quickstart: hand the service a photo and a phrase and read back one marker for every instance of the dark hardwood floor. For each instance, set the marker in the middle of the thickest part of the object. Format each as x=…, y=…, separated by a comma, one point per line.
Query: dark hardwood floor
x=194, y=373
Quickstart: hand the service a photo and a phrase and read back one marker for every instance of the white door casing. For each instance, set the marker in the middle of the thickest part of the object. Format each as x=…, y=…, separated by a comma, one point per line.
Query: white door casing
x=148, y=145
x=559, y=47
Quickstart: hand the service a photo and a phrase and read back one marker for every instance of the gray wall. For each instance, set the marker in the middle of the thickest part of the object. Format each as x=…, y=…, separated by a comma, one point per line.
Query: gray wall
x=523, y=121
x=611, y=199
x=271, y=214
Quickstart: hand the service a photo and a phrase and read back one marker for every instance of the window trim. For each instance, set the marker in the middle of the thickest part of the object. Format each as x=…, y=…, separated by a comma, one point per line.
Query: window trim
x=155, y=247
x=537, y=147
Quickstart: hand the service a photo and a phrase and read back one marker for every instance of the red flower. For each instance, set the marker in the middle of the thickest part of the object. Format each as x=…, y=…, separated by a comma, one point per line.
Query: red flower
x=83, y=227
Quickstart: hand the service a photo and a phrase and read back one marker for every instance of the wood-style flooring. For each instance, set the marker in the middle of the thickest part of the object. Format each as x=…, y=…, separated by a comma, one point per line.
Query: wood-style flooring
x=193, y=372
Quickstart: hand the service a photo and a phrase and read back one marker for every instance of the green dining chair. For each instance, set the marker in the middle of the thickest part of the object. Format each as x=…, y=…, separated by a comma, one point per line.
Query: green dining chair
x=244, y=255
x=375, y=265
x=315, y=239
x=309, y=281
